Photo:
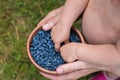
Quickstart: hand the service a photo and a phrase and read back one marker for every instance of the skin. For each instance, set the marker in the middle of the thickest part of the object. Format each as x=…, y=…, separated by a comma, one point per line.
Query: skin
x=101, y=29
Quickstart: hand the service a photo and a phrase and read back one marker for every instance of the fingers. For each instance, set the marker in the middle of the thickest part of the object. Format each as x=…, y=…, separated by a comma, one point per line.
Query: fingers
x=50, y=15
x=44, y=20
x=69, y=76
x=51, y=23
x=59, y=34
x=70, y=67
x=58, y=43
x=56, y=37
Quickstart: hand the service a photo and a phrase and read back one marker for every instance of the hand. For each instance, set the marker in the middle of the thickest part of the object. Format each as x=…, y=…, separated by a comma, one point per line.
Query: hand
x=84, y=69
x=69, y=76
x=51, y=19
x=70, y=53
x=59, y=33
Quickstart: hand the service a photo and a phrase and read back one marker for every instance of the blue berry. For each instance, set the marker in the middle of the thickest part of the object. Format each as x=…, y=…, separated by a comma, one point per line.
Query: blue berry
x=43, y=51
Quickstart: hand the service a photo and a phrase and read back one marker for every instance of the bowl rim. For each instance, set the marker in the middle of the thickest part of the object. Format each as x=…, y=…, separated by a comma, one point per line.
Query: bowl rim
x=32, y=34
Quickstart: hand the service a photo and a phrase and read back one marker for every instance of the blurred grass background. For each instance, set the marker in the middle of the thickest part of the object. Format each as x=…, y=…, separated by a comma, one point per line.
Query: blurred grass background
x=17, y=19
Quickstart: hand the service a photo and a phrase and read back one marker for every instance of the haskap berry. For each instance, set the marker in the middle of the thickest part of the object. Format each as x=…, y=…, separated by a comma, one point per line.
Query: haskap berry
x=43, y=51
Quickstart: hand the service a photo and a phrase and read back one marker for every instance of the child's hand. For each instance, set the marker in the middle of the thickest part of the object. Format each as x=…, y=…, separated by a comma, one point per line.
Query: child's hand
x=69, y=52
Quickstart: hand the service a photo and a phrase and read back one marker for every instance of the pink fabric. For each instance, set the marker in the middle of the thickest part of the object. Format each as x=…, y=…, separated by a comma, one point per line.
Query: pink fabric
x=101, y=76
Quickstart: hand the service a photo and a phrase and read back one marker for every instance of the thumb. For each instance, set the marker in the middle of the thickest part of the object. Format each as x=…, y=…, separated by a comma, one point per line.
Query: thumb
x=70, y=67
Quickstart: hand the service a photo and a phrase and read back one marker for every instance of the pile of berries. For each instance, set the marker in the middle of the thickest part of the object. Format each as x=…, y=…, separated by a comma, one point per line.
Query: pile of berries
x=43, y=51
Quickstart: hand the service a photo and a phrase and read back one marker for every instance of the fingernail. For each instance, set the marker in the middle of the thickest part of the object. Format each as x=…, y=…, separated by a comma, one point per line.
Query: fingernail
x=50, y=24
x=46, y=26
x=60, y=71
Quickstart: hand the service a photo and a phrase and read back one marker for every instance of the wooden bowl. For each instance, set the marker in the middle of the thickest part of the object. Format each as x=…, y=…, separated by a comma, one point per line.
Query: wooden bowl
x=30, y=38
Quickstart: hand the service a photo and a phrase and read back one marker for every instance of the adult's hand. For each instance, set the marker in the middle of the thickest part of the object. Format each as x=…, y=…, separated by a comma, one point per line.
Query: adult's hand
x=73, y=71
x=59, y=32
x=51, y=19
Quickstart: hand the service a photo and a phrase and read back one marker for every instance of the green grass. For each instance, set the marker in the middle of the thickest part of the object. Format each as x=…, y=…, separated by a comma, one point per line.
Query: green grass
x=17, y=19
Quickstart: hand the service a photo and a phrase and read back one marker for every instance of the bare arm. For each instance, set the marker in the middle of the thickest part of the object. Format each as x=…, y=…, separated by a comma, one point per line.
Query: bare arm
x=107, y=54
x=72, y=9
x=104, y=54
